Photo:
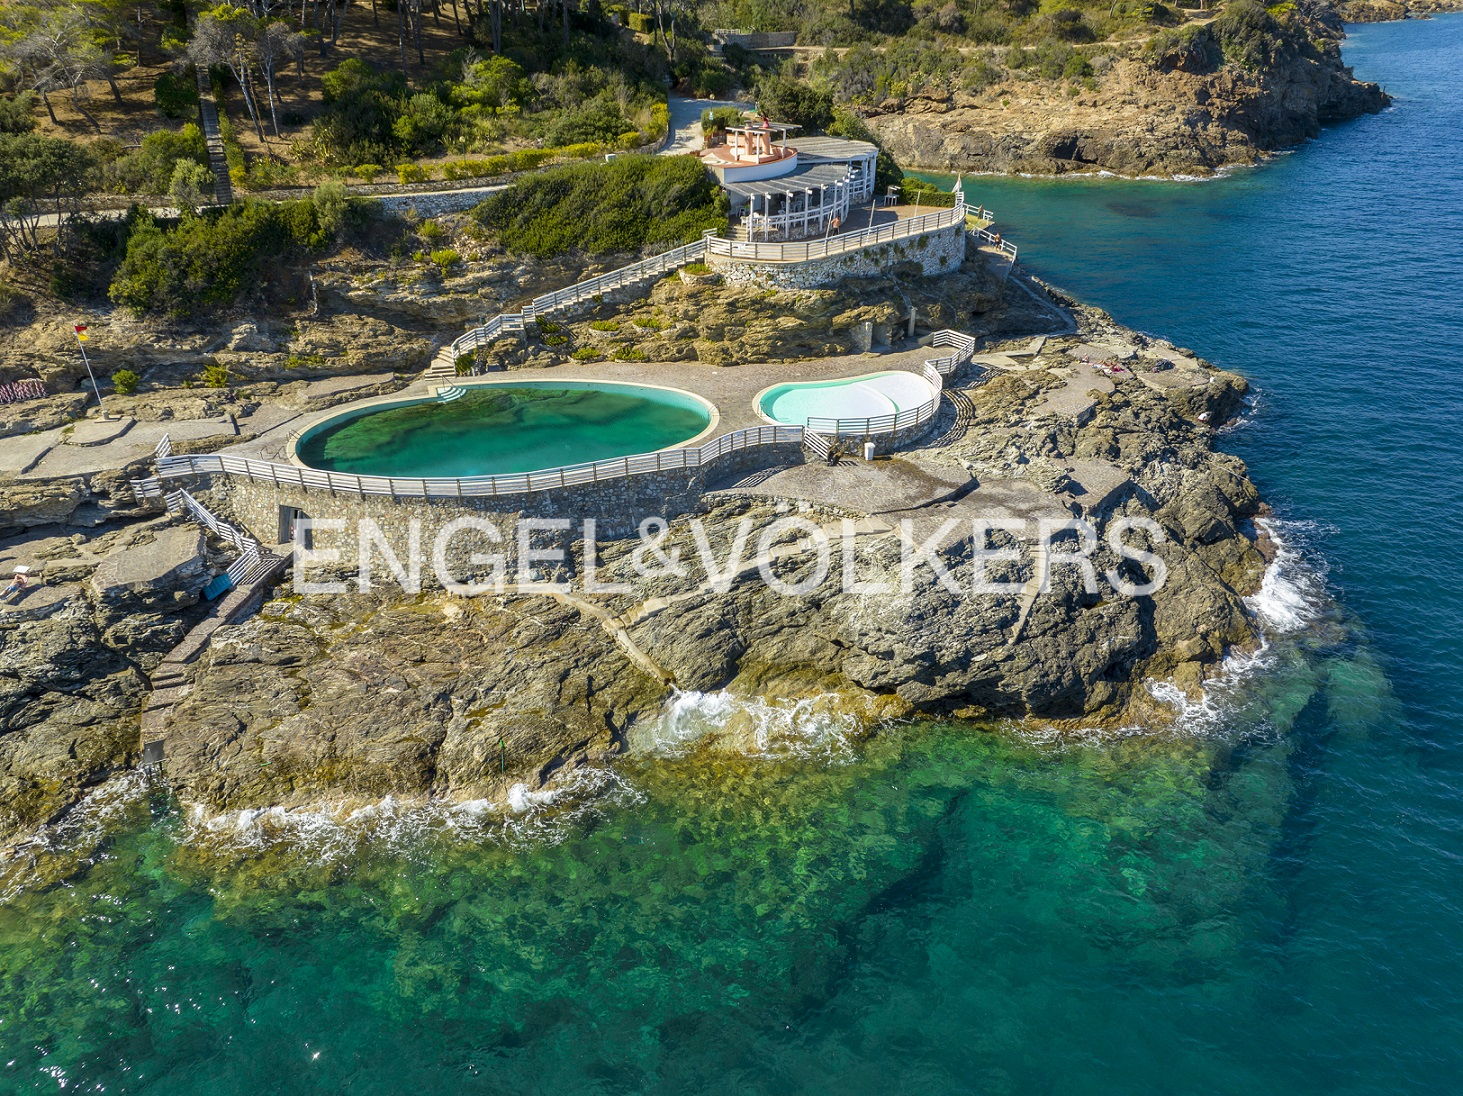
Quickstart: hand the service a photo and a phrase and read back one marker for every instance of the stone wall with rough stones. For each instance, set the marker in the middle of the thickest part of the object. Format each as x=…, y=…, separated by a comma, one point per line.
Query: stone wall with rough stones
x=617, y=506
x=937, y=252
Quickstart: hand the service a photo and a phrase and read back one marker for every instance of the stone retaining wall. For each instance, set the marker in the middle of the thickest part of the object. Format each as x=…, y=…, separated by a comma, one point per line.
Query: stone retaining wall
x=937, y=252
x=618, y=506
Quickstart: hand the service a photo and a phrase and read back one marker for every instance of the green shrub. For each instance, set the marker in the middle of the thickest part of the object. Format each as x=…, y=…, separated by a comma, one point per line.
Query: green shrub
x=367, y=172
x=16, y=112
x=716, y=119
x=445, y=259
x=586, y=354
x=463, y=363
x=604, y=325
x=175, y=94
x=214, y=375
x=412, y=173
x=206, y=262
x=697, y=269
x=784, y=99
x=125, y=382
x=640, y=22
x=150, y=169
x=623, y=205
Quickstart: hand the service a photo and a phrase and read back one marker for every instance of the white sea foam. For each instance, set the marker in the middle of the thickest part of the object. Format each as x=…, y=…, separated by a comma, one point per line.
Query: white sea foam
x=80, y=831
x=334, y=833
x=1292, y=592
x=1292, y=597
x=816, y=727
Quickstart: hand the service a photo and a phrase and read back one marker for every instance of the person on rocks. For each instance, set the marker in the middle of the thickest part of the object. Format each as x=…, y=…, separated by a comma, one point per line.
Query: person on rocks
x=18, y=583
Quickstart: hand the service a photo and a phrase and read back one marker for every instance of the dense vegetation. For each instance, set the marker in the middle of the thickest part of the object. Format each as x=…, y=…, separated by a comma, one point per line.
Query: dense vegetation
x=206, y=261
x=621, y=205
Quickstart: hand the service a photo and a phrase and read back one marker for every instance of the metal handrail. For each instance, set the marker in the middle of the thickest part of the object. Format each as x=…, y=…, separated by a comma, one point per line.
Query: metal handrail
x=709, y=244
x=805, y=250
x=289, y=475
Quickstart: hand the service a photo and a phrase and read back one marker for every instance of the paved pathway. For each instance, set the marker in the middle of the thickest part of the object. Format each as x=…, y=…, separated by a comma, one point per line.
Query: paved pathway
x=684, y=132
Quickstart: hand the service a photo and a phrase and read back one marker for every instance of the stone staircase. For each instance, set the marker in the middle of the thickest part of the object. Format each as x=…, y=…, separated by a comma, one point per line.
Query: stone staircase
x=223, y=190
x=444, y=365
x=171, y=680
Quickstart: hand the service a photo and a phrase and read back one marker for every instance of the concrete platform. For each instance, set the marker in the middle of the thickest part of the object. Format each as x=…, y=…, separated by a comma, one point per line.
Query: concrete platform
x=37, y=602
x=20, y=454
x=91, y=432
x=1074, y=399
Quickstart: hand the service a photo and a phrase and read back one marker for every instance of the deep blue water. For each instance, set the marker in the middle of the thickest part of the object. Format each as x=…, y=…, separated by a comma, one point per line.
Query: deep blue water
x=1266, y=903
x=1333, y=278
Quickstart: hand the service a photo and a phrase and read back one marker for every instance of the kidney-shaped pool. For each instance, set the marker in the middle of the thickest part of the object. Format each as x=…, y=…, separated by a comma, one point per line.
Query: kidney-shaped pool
x=513, y=426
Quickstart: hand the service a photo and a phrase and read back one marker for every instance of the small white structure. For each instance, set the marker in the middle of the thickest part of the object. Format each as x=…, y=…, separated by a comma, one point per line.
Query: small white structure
x=790, y=188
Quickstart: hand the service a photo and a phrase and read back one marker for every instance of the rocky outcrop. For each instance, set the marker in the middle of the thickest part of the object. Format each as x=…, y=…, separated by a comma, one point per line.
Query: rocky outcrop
x=1150, y=111
x=341, y=698
x=75, y=652
x=1385, y=11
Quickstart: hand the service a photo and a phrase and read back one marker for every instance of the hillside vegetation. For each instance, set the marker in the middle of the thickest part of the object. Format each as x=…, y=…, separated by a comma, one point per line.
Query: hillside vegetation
x=597, y=208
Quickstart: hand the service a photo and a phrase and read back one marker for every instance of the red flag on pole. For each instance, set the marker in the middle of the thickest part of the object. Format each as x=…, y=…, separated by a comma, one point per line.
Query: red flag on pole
x=81, y=331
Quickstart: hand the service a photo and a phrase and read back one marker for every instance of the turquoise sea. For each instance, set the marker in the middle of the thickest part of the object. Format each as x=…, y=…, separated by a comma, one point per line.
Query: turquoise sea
x=1265, y=901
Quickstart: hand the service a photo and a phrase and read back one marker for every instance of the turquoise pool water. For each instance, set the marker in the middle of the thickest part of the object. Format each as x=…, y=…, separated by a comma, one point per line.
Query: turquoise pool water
x=849, y=398
x=506, y=427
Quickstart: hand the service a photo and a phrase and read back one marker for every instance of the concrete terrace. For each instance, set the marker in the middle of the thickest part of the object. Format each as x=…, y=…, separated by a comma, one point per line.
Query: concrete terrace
x=731, y=389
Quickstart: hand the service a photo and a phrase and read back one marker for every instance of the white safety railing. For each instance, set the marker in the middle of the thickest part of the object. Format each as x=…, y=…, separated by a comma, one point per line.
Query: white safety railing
x=996, y=240
x=652, y=267
x=440, y=487
x=288, y=475
x=181, y=502
x=513, y=322
x=934, y=371
x=666, y=262
x=803, y=250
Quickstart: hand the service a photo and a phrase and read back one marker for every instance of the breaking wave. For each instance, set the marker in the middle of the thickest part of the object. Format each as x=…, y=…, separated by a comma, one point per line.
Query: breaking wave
x=406, y=827
x=817, y=727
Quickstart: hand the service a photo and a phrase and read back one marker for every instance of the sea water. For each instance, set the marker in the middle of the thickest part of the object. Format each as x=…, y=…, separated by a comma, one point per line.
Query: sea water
x=1264, y=900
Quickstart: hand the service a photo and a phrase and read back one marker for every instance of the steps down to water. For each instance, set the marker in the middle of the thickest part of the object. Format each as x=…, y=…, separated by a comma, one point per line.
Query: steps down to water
x=444, y=365
x=171, y=680
x=447, y=395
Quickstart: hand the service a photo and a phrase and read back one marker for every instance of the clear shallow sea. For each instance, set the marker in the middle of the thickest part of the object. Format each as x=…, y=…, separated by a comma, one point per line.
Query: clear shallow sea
x=1266, y=903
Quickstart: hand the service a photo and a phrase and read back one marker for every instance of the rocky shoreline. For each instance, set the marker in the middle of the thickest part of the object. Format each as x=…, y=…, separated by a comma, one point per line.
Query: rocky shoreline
x=351, y=698
x=1168, y=111
x=1387, y=11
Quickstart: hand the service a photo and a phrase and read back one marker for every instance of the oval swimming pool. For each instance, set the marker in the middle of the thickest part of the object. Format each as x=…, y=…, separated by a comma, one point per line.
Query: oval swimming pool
x=863, y=397
x=504, y=427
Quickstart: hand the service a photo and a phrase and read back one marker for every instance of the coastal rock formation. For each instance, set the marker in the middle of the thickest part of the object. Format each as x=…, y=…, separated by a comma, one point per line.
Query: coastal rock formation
x=331, y=698
x=75, y=652
x=349, y=698
x=1175, y=111
x=1385, y=11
